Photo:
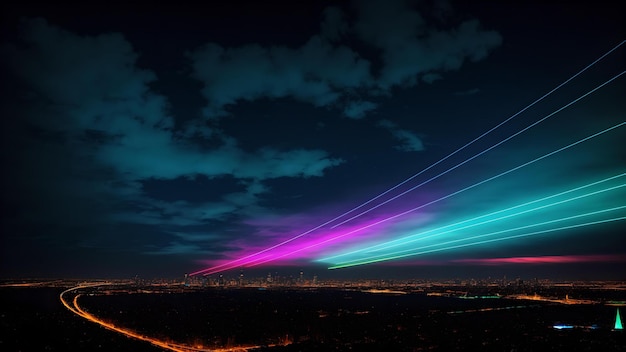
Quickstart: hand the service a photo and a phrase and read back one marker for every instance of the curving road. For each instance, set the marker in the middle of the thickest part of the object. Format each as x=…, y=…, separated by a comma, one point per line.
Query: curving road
x=75, y=308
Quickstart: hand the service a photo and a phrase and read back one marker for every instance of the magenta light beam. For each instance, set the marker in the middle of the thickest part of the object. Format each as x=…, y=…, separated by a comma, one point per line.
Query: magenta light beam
x=441, y=198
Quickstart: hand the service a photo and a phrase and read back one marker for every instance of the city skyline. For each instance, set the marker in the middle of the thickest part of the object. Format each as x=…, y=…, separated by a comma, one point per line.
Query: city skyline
x=343, y=139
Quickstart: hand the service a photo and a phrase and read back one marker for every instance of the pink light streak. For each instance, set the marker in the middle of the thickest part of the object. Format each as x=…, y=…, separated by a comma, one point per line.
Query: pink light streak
x=303, y=249
x=550, y=259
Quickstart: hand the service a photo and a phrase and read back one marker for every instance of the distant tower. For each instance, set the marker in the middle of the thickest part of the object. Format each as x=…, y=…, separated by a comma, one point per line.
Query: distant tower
x=618, y=321
x=301, y=277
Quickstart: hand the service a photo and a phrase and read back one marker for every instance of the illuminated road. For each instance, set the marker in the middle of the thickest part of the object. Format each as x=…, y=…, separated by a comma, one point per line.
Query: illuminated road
x=74, y=307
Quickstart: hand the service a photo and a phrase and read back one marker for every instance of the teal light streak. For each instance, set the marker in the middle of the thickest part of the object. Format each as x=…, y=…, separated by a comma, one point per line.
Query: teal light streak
x=242, y=260
x=480, y=137
x=260, y=261
x=501, y=231
x=255, y=262
x=481, y=153
x=478, y=243
x=411, y=238
x=466, y=188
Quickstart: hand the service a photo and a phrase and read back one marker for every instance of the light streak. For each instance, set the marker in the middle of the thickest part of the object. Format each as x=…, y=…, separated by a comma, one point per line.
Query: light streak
x=481, y=136
x=504, y=231
x=237, y=262
x=253, y=263
x=481, y=153
x=399, y=255
x=76, y=309
x=411, y=238
x=547, y=259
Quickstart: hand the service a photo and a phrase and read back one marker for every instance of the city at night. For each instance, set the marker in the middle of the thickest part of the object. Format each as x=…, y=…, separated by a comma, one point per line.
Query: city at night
x=313, y=176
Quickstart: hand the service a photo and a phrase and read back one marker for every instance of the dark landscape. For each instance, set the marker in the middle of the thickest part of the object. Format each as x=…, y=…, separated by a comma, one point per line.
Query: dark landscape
x=399, y=318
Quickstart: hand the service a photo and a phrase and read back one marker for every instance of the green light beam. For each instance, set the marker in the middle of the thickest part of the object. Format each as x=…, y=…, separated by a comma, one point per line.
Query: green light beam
x=398, y=254
x=480, y=242
x=256, y=262
x=411, y=238
x=461, y=190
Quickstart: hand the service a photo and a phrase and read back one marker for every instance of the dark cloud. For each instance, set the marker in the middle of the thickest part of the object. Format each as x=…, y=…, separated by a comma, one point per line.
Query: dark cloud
x=333, y=26
x=411, y=48
x=177, y=248
x=409, y=141
x=328, y=71
x=315, y=73
x=88, y=130
x=358, y=109
x=468, y=92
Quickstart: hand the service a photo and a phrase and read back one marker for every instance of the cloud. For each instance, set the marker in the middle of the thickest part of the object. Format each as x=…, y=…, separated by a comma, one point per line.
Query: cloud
x=88, y=130
x=358, y=109
x=431, y=77
x=177, y=248
x=468, y=92
x=84, y=83
x=412, y=47
x=333, y=26
x=327, y=70
x=91, y=88
x=314, y=73
x=409, y=141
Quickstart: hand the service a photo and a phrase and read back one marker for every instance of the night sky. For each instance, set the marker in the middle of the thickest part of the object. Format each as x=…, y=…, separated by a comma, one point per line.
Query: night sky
x=286, y=136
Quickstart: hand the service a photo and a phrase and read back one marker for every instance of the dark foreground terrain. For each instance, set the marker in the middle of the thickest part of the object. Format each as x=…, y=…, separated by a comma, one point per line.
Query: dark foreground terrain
x=33, y=319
